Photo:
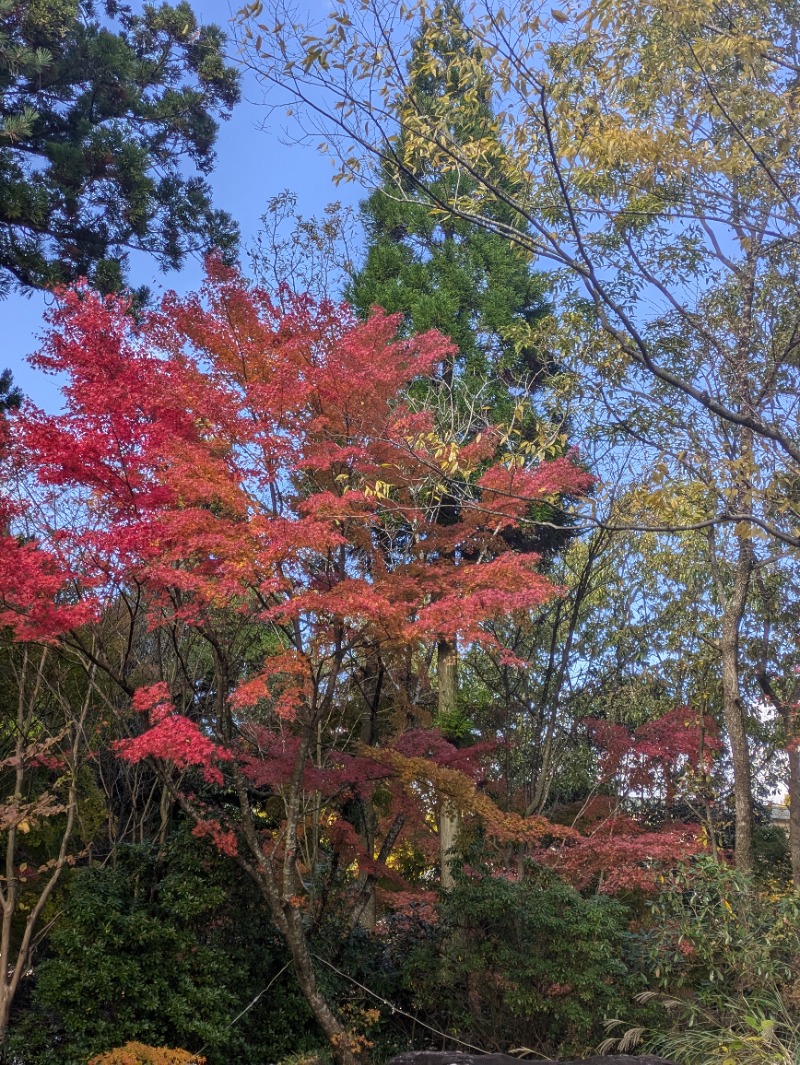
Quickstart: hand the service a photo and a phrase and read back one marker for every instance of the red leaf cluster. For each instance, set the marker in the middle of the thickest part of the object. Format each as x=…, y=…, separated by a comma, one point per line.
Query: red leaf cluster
x=613, y=847
x=226, y=467
x=653, y=755
x=172, y=737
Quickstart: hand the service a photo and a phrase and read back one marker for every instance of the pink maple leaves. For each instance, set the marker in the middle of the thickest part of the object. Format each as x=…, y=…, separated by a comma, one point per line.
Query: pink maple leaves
x=172, y=737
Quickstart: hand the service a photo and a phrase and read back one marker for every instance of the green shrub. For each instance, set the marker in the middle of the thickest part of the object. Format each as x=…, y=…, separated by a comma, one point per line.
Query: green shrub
x=725, y=950
x=527, y=963
x=164, y=948
x=714, y=933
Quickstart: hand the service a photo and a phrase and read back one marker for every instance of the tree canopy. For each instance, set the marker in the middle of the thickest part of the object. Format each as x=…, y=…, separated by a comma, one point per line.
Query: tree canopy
x=109, y=119
x=647, y=156
x=339, y=694
x=274, y=499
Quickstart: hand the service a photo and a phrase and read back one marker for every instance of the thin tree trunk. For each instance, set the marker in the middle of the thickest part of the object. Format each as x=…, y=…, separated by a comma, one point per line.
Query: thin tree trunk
x=735, y=723
x=278, y=881
x=337, y=1035
x=786, y=709
x=287, y=917
x=447, y=670
x=734, y=602
x=793, y=754
x=15, y=953
x=372, y=688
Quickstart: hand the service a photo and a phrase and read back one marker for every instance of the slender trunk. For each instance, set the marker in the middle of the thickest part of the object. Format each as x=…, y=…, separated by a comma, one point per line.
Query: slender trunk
x=736, y=719
x=335, y=1032
x=9, y=958
x=734, y=596
x=793, y=754
x=368, y=827
x=705, y=797
x=279, y=885
x=448, y=837
x=734, y=602
x=15, y=952
x=288, y=919
x=275, y=873
x=447, y=669
x=165, y=811
x=367, y=891
x=367, y=894
x=789, y=714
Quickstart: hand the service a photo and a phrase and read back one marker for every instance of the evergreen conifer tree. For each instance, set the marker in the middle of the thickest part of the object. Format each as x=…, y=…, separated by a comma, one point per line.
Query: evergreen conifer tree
x=474, y=286
x=108, y=121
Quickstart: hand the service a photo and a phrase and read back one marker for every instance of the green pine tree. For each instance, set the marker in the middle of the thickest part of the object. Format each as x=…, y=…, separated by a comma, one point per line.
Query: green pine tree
x=107, y=131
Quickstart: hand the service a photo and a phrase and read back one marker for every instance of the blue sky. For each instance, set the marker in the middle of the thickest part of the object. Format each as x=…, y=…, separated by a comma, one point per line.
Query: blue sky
x=253, y=164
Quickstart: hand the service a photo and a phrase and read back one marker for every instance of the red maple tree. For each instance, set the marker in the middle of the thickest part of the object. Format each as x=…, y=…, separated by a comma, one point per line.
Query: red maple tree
x=616, y=845
x=256, y=489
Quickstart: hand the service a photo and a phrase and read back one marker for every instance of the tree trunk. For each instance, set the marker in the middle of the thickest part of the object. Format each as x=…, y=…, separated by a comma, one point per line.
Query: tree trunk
x=336, y=1033
x=372, y=686
x=447, y=670
x=279, y=897
x=733, y=596
x=735, y=724
x=734, y=603
x=16, y=936
x=786, y=708
x=793, y=754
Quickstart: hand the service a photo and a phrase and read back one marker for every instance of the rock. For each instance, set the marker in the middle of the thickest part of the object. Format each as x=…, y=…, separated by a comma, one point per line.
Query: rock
x=458, y=1057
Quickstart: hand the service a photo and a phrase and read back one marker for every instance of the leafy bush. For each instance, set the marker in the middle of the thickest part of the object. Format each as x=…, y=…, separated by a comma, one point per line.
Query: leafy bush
x=713, y=933
x=525, y=963
x=162, y=948
x=726, y=953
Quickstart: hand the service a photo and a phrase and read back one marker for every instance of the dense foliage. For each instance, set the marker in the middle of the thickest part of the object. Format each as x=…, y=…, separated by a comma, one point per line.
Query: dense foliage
x=165, y=948
x=474, y=286
x=109, y=120
x=345, y=707
x=526, y=962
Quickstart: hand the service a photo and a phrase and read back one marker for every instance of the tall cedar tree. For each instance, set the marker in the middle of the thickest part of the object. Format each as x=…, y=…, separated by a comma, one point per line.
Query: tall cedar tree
x=471, y=285
x=108, y=125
